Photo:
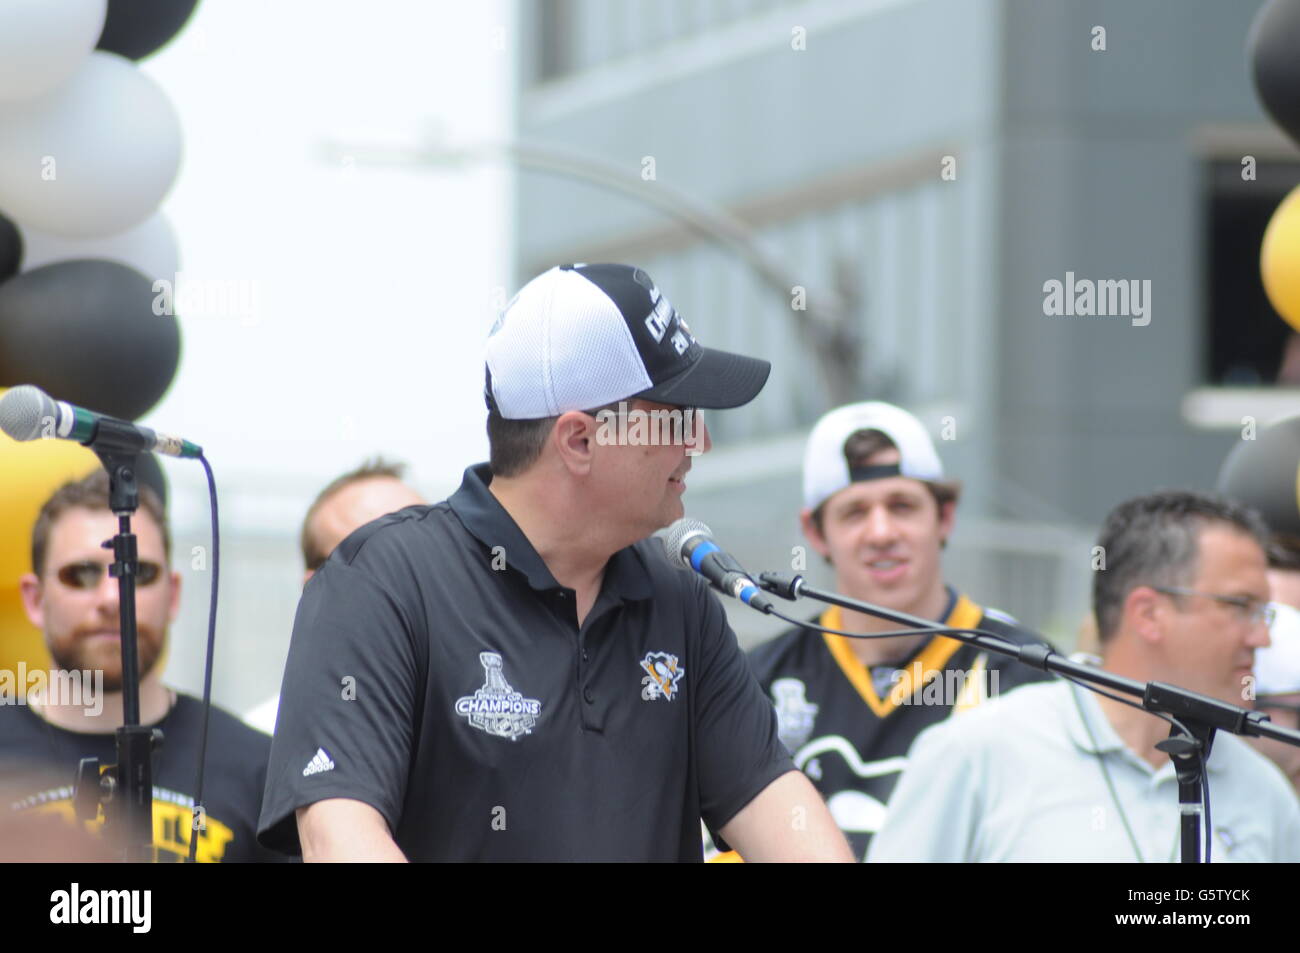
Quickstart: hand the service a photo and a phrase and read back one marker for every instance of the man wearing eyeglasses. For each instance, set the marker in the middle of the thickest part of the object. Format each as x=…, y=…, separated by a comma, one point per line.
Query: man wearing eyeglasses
x=73, y=711
x=1054, y=772
x=517, y=673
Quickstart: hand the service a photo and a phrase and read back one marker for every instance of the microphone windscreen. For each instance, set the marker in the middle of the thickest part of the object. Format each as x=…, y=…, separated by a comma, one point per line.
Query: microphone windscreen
x=675, y=536
x=22, y=409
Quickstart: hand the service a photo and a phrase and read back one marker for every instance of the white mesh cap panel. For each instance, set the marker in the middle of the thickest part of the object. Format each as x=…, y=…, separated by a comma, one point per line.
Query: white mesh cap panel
x=600, y=355
x=562, y=345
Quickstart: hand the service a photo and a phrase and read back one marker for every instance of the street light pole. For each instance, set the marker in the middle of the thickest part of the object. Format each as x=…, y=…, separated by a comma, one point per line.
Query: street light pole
x=829, y=318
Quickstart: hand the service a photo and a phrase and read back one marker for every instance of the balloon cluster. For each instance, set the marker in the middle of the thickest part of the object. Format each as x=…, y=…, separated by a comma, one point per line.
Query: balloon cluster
x=90, y=147
x=1274, y=51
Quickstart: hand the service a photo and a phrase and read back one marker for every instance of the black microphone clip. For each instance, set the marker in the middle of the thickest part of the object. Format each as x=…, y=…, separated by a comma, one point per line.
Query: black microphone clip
x=784, y=584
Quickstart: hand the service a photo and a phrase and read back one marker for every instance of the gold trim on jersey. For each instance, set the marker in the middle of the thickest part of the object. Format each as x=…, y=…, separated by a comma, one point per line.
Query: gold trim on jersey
x=975, y=688
x=930, y=662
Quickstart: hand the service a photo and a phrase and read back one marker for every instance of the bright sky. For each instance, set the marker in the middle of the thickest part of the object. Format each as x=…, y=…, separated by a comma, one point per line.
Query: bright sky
x=371, y=287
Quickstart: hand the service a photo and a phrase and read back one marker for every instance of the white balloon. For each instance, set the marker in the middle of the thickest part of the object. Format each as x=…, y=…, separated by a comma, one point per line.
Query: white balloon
x=42, y=42
x=93, y=158
x=149, y=248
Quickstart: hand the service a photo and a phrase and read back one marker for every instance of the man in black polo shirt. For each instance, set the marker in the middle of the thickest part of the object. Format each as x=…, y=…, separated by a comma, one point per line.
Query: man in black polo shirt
x=515, y=673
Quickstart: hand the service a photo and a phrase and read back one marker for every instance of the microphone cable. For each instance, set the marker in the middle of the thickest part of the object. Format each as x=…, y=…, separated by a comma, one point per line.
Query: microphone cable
x=198, y=813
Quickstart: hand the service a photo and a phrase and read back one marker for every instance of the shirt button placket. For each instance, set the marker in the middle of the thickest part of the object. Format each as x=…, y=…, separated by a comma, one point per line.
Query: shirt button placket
x=589, y=721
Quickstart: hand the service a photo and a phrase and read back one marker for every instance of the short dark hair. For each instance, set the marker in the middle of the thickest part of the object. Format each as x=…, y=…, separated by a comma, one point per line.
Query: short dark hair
x=1284, y=553
x=515, y=445
x=90, y=493
x=1154, y=540
x=313, y=554
x=862, y=445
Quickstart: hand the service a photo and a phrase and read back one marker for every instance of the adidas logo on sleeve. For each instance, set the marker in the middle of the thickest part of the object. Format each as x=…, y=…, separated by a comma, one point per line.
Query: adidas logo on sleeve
x=319, y=762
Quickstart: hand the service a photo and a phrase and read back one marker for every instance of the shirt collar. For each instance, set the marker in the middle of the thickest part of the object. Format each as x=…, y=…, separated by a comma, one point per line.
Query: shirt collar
x=1104, y=739
x=1097, y=735
x=626, y=575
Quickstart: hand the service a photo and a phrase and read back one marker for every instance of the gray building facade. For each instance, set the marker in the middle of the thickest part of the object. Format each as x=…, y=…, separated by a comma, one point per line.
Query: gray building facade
x=939, y=162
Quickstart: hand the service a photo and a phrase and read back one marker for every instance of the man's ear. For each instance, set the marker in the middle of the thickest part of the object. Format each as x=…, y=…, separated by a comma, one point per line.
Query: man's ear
x=30, y=590
x=947, y=519
x=175, y=579
x=574, y=437
x=1143, y=613
x=813, y=534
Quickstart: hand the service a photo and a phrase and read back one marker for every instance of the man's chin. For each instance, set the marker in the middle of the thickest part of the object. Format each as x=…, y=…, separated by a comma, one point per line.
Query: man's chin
x=106, y=663
x=113, y=677
x=670, y=513
x=900, y=598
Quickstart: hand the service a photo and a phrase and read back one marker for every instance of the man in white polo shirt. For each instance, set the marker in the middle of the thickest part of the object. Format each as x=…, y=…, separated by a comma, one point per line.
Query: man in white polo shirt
x=1053, y=772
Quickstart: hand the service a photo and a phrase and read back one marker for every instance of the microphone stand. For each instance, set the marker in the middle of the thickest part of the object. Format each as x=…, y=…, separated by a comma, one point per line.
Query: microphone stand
x=125, y=789
x=1201, y=715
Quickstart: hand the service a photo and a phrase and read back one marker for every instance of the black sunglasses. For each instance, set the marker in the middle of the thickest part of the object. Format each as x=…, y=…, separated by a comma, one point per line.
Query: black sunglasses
x=87, y=574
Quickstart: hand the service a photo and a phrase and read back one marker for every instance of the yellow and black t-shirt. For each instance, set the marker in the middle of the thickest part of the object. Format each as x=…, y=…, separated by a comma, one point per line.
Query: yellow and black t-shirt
x=38, y=765
x=850, y=727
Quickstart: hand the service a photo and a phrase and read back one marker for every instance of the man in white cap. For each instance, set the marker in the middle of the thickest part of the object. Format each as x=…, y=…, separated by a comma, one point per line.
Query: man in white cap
x=1277, y=667
x=879, y=509
x=517, y=673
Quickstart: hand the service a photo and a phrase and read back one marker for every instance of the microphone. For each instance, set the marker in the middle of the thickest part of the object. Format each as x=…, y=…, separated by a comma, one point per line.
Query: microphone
x=690, y=543
x=28, y=413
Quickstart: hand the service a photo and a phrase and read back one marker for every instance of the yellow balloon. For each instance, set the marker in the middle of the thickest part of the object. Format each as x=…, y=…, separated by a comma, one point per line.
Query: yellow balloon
x=1279, y=259
x=29, y=473
x=20, y=641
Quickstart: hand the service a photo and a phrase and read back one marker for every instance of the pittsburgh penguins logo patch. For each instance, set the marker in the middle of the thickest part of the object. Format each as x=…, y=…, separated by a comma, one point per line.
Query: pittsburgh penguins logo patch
x=663, y=672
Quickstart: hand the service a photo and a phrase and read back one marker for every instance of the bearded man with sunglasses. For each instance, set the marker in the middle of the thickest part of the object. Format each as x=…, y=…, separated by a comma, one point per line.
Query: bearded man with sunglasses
x=74, y=713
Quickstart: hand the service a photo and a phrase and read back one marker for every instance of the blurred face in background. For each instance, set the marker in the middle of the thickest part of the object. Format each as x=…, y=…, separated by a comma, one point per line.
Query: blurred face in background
x=884, y=538
x=1283, y=709
x=74, y=601
x=355, y=505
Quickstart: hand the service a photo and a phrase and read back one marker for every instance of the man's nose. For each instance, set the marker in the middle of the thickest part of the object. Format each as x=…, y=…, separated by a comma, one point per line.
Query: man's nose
x=1259, y=636
x=108, y=593
x=881, y=528
x=700, y=440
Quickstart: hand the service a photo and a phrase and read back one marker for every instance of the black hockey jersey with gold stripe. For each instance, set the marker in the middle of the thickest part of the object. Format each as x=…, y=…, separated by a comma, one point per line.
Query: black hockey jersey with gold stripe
x=850, y=728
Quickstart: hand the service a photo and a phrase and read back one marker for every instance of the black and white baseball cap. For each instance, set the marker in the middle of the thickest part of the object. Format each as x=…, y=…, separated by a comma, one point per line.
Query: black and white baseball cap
x=825, y=468
x=582, y=336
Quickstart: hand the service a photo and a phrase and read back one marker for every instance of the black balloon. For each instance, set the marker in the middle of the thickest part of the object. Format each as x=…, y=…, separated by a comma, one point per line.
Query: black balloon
x=1263, y=473
x=136, y=28
x=85, y=332
x=11, y=248
x=1273, y=48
